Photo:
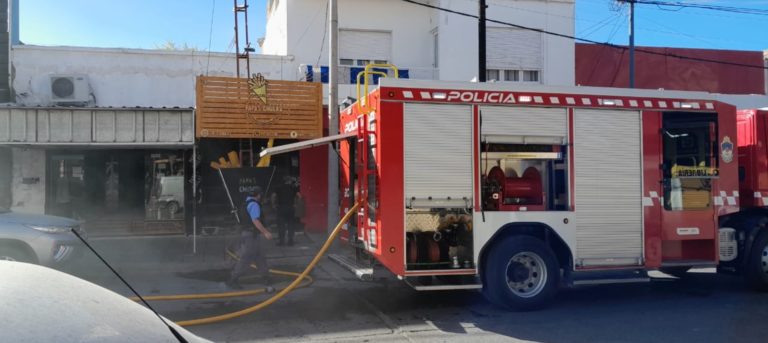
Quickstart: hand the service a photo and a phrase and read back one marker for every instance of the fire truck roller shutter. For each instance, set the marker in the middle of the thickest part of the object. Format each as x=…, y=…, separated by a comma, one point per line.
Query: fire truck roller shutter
x=521, y=125
x=438, y=155
x=608, y=189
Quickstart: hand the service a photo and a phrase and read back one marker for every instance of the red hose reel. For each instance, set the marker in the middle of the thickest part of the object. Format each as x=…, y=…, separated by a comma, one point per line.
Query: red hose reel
x=516, y=191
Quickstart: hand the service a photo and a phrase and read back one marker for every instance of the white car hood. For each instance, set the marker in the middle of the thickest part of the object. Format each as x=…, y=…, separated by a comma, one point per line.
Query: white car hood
x=39, y=304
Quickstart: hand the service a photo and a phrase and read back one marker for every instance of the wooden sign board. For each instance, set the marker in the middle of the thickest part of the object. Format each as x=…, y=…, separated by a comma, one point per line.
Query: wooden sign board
x=229, y=107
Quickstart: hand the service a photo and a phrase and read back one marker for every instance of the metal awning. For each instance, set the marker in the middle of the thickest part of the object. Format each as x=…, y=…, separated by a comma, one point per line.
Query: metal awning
x=305, y=144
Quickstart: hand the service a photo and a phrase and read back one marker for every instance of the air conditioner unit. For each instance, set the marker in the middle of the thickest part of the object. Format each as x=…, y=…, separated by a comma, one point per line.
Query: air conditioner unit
x=70, y=89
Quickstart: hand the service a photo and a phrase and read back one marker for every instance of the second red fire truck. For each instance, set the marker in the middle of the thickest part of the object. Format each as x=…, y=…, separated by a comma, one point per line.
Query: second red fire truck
x=518, y=190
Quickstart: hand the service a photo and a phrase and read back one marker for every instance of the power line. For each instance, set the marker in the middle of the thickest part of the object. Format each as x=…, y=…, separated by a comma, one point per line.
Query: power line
x=561, y=35
x=741, y=10
x=210, y=38
x=616, y=19
x=325, y=32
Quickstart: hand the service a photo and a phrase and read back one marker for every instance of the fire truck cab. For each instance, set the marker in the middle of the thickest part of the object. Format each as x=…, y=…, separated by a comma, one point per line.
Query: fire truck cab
x=520, y=189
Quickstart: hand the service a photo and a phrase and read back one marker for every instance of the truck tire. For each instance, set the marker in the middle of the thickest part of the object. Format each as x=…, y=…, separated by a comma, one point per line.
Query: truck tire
x=521, y=274
x=14, y=253
x=173, y=207
x=678, y=272
x=757, y=264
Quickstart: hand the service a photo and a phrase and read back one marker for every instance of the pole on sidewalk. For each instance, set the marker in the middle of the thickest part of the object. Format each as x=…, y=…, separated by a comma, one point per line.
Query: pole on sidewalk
x=333, y=115
x=194, y=197
x=631, y=43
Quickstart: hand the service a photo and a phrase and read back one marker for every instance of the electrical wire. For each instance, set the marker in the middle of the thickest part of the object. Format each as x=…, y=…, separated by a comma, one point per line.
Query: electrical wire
x=681, y=5
x=614, y=18
x=615, y=46
x=210, y=38
x=325, y=33
x=173, y=331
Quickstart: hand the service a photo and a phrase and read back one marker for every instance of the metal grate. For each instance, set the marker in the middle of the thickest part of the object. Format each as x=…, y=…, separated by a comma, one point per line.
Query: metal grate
x=421, y=221
x=728, y=244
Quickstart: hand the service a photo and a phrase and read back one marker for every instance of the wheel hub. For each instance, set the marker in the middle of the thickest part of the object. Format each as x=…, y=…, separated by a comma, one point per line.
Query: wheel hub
x=526, y=274
x=519, y=272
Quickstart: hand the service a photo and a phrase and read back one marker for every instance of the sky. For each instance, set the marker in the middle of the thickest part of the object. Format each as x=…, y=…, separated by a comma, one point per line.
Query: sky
x=150, y=24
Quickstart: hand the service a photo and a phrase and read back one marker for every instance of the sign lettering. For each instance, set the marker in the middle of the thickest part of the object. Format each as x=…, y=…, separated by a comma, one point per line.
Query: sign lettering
x=484, y=97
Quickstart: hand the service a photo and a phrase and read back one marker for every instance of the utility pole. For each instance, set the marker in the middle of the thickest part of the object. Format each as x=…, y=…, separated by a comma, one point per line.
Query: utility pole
x=631, y=43
x=333, y=114
x=481, y=77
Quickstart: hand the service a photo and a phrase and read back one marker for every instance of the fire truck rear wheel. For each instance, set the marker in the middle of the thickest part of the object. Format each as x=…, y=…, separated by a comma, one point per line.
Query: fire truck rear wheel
x=522, y=274
x=757, y=265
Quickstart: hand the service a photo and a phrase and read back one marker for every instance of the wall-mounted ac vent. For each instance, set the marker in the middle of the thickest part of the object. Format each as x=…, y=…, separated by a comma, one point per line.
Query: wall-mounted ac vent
x=70, y=90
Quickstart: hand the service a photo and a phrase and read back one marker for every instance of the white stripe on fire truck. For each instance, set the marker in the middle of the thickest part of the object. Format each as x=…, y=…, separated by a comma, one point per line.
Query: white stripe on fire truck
x=408, y=94
x=554, y=100
x=586, y=101
x=570, y=101
x=663, y=104
x=709, y=106
x=426, y=95
x=633, y=103
x=724, y=198
x=648, y=201
x=647, y=103
x=762, y=198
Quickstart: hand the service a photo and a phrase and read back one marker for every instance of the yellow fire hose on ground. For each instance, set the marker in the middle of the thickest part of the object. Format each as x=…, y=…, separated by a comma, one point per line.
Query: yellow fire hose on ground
x=296, y=283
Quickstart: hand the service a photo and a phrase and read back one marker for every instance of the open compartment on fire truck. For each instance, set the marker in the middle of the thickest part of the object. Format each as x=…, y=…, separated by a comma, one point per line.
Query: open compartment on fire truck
x=523, y=165
x=520, y=177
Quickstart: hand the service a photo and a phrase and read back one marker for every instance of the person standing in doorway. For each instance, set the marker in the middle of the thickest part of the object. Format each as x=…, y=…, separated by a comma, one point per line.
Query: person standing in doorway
x=298, y=211
x=269, y=215
x=250, y=248
x=285, y=216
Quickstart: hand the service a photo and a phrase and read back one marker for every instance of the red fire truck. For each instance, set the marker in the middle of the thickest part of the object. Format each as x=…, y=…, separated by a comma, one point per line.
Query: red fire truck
x=519, y=189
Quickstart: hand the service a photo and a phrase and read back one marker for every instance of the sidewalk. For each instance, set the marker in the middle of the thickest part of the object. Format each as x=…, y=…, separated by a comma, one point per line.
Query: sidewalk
x=168, y=264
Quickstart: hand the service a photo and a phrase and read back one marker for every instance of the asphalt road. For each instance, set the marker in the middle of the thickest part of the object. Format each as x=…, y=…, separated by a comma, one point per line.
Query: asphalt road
x=704, y=307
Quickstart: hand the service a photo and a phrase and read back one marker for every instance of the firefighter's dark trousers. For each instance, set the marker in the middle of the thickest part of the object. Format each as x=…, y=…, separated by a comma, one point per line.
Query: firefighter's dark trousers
x=250, y=251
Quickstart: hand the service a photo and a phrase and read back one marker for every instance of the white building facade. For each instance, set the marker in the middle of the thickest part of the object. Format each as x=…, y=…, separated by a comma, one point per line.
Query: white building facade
x=122, y=107
x=429, y=43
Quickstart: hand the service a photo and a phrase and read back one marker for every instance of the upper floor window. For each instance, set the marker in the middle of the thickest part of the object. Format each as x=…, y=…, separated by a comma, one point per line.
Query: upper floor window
x=512, y=75
x=360, y=47
x=359, y=62
x=514, y=55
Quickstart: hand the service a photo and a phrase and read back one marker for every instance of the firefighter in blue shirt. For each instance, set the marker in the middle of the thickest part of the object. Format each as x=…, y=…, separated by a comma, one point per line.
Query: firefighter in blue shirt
x=250, y=248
